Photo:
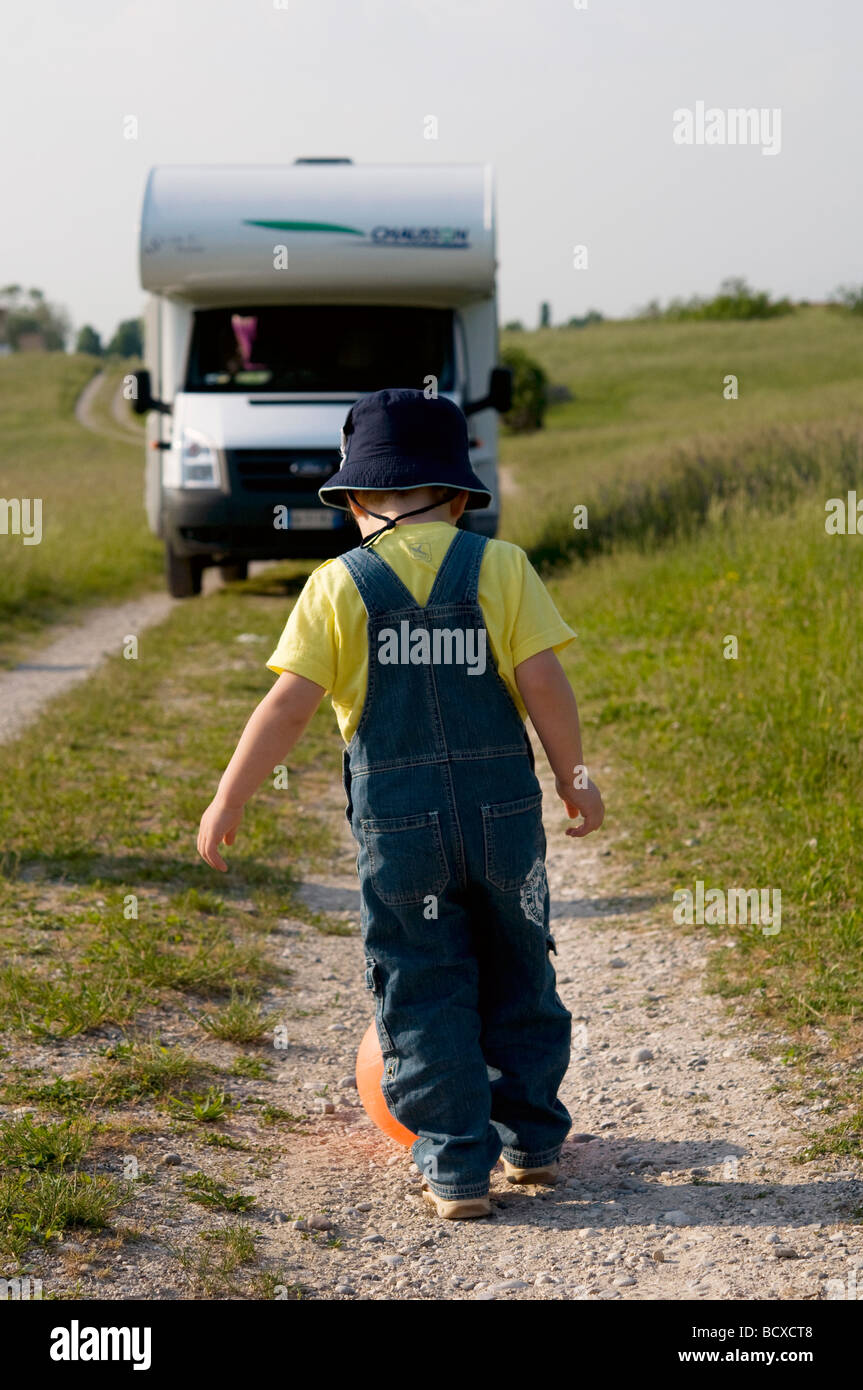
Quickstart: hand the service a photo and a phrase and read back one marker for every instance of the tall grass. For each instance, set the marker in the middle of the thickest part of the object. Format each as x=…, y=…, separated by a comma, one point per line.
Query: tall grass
x=741, y=772
x=767, y=470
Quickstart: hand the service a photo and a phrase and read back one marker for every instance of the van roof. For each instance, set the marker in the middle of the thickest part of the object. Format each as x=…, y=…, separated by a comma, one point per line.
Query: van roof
x=319, y=228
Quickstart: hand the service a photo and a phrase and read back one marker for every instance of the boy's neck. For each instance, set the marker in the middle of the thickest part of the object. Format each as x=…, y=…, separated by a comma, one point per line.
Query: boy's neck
x=367, y=524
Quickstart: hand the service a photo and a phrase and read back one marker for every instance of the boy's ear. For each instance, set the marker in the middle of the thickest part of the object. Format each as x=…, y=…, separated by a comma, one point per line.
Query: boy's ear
x=357, y=508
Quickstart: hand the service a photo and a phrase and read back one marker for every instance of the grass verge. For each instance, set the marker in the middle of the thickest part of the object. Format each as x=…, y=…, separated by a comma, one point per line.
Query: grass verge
x=95, y=544
x=105, y=908
x=738, y=771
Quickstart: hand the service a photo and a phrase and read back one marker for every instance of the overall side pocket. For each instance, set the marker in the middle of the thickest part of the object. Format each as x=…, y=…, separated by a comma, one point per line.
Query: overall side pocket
x=406, y=857
x=373, y=983
x=514, y=839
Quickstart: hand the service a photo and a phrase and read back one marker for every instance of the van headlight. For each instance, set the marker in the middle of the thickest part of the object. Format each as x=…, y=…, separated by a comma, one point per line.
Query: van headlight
x=199, y=460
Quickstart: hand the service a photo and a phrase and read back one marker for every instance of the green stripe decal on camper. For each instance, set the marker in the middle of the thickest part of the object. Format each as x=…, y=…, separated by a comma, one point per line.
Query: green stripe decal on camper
x=279, y=226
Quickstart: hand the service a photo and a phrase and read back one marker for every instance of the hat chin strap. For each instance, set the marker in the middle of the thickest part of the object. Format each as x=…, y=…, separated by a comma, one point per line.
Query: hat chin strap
x=390, y=521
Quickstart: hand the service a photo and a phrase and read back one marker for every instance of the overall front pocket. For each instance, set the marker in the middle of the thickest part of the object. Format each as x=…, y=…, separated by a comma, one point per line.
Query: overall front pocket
x=514, y=840
x=406, y=857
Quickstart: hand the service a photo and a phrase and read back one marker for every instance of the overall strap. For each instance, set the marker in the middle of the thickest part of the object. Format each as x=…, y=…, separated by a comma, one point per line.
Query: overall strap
x=457, y=579
x=379, y=586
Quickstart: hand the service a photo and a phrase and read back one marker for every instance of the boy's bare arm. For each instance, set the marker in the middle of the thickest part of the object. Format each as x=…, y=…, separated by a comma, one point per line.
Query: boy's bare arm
x=274, y=728
x=550, y=702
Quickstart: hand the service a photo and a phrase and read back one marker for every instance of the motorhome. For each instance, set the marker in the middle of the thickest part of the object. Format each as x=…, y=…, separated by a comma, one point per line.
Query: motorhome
x=277, y=296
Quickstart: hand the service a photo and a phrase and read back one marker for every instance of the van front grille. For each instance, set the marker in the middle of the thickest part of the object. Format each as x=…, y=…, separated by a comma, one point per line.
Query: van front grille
x=281, y=471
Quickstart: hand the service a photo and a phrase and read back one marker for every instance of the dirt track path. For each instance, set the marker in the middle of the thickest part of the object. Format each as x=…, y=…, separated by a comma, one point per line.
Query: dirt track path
x=125, y=432
x=69, y=652
x=678, y=1181
x=686, y=1189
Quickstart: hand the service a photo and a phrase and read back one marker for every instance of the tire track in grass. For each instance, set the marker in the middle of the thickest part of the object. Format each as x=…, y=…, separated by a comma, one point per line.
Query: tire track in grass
x=72, y=653
x=73, y=650
x=120, y=412
x=86, y=416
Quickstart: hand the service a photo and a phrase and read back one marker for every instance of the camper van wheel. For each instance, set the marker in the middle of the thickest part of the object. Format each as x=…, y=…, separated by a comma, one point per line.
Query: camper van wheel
x=235, y=571
x=184, y=573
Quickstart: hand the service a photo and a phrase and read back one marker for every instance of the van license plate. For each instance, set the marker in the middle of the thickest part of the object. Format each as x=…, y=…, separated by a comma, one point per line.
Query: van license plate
x=311, y=519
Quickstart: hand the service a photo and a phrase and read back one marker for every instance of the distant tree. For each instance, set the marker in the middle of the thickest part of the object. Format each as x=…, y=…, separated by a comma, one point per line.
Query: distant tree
x=88, y=341
x=529, y=387
x=514, y=326
x=30, y=312
x=850, y=297
x=735, y=300
x=545, y=314
x=592, y=316
x=128, y=341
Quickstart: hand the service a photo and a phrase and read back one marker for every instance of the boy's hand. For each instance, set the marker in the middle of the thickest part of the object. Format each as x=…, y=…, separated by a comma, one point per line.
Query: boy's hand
x=219, y=822
x=581, y=801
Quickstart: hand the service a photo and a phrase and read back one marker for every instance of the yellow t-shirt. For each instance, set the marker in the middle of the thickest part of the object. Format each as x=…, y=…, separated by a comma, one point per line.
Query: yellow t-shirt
x=325, y=637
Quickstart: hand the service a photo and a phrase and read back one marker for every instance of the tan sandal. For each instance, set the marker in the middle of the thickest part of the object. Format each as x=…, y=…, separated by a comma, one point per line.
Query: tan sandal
x=542, y=1177
x=457, y=1209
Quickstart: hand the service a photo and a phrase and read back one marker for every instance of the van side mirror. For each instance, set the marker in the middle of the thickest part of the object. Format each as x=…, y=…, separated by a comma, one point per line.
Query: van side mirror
x=143, y=399
x=500, y=389
x=499, y=396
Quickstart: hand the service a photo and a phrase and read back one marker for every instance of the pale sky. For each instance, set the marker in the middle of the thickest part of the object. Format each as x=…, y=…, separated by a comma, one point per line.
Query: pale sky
x=574, y=107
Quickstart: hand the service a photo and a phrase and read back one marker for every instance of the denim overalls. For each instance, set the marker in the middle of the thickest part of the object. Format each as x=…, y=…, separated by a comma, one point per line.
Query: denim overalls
x=445, y=805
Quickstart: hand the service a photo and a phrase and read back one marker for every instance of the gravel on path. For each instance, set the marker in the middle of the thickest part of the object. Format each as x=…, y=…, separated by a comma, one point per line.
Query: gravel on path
x=678, y=1179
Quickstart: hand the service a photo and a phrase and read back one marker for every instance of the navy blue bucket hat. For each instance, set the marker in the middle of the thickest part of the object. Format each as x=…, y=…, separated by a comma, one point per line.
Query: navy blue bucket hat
x=397, y=439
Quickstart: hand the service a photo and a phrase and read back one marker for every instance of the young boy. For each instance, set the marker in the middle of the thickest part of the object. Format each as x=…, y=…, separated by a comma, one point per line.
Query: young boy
x=434, y=643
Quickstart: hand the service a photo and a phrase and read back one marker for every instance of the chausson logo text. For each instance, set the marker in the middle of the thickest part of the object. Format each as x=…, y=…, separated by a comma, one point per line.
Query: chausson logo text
x=442, y=237
x=437, y=646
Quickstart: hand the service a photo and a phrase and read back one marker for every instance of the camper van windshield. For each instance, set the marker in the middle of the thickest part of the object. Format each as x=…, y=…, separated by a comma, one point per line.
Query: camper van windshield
x=320, y=348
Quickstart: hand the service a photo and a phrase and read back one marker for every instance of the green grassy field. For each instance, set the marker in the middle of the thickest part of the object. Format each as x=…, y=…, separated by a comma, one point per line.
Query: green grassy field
x=95, y=544
x=646, y=393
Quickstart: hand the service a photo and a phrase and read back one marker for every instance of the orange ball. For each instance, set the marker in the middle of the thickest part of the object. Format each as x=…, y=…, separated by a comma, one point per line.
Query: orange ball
x=370, y=1070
